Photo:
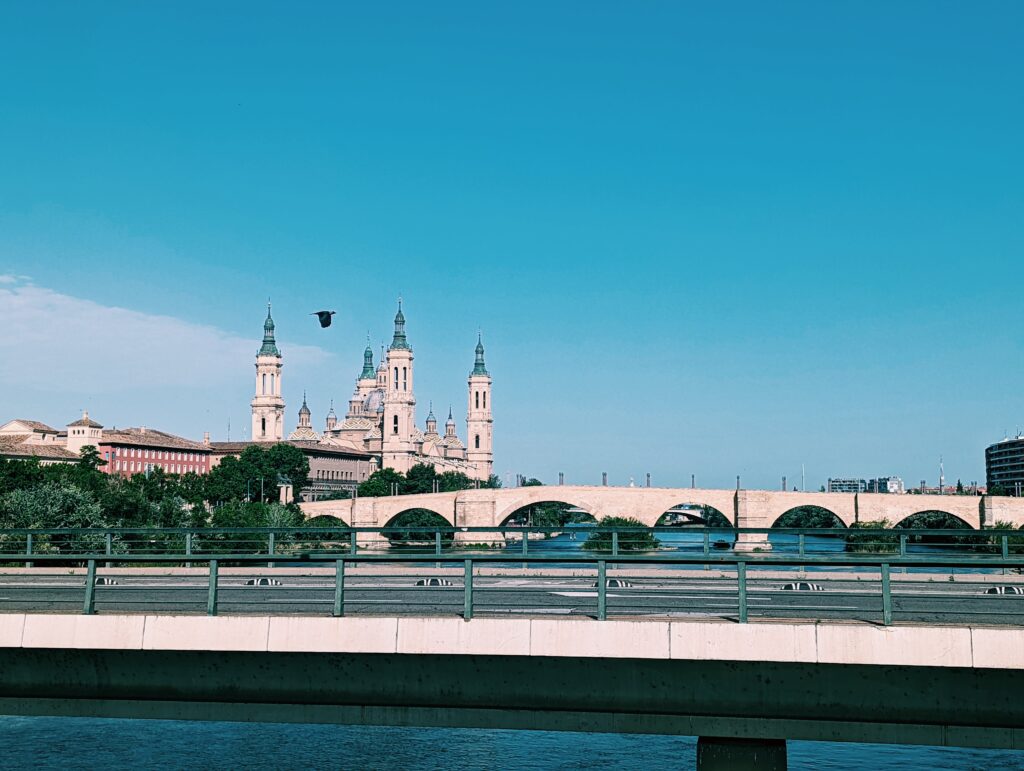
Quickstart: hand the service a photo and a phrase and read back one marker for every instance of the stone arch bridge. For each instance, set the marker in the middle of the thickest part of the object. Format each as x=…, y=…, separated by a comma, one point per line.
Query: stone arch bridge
x=743, y=508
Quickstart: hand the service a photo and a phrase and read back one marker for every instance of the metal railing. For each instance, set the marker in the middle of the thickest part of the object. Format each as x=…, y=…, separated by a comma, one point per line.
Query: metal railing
x=738, y=587
x=288, y=542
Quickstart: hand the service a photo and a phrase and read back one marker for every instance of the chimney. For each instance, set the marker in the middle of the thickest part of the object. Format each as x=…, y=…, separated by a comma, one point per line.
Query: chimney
x=142, y=429
x=206, y=438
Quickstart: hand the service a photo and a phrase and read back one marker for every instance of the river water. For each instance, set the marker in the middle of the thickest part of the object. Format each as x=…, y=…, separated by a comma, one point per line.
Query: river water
x=80, y=743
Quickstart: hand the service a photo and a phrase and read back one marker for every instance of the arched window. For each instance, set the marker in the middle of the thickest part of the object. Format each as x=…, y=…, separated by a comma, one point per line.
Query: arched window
x=485, y=400
x=396, y=378
x=476, y=441
x=395, y=424
x=264, y=382
x=478, y=400
x=405, y=380
x=263, y=426
x=271, y=384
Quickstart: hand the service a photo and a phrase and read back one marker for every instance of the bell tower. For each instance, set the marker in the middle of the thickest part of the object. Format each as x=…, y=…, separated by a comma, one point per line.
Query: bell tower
x=397, y=446
x=479, y=418
x=267, y=404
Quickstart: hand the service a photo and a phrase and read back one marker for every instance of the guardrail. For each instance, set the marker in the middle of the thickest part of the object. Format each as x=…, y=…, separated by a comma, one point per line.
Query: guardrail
x=740, y=587
x=282, y=542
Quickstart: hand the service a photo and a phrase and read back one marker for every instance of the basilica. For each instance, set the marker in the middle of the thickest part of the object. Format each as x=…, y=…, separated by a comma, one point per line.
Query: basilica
x=380, y=422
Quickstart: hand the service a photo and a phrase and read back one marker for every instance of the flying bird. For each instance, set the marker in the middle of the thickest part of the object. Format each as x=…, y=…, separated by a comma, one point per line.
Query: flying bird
x=324, y=316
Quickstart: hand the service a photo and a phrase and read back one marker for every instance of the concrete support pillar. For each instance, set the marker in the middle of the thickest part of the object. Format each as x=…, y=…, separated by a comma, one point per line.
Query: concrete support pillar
x=718, y=754
x=752, y=510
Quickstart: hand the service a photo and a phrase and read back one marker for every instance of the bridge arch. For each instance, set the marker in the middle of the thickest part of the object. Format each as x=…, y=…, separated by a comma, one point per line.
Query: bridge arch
x=547, y=513
x=402, y=528
x=935, y=519
x=809, y=516
x=692, y=514
x=538, y=497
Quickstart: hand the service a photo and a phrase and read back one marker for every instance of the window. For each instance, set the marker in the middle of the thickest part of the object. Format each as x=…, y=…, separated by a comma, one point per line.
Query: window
x=264, y=382
x=271, y=384
x=263, y=426
x=485, y=400
x=395, y=424
x=478, y=400
x=476, y=441
x=404, y=380
x=396, y=378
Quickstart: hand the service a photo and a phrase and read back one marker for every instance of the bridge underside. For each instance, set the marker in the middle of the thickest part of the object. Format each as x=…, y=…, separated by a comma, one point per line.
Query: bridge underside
x=744, y=699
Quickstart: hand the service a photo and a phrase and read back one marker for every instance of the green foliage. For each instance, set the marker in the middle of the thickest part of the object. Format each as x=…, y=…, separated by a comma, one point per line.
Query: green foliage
x=419, y=479
x=601, y=539
x=493, y=482
x=254, y=475
x=399, y=529
x=884, y=543
x=380, y=483
x=532, y=482
x=808, y=516
x=52, y=506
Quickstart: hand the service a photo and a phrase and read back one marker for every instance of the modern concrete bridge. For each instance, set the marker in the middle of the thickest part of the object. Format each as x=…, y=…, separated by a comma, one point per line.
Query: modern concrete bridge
x=743, y=508
x=764, y=682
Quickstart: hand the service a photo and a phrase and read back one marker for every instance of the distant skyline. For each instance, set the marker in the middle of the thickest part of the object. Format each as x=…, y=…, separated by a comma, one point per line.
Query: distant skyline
x=698, y=240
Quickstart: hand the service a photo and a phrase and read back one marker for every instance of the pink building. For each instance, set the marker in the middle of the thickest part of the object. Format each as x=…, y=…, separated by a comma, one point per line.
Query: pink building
x=130, y=451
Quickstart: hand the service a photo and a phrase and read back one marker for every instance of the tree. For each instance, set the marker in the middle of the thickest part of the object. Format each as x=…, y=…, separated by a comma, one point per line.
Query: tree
x=419, y=479
x=54, y=506
x=381, y=483
x=19, y=474
x=493, y=482
x=997, y=489
x=601, y=538
x=532, y=482
x=453, y=481
x=959, y=487
x=256, y=473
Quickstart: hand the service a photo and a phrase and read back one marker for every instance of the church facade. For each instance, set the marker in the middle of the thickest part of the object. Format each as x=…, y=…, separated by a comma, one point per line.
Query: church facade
x=380, y=421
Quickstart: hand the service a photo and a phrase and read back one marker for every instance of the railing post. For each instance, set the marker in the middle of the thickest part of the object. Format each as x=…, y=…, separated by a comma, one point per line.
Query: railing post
x=803, y=544
x=211, y=598
x=741, y=581
x=339, y=588
x=437, y=542
x=89, y=607
x=28, y=550
x=467, y=612
x=188, y=547
x=352, y=541
x=886, y=596
x=707, y=548
x=602, y=591
x=271, y=542
x=1006, y=547
x=109, y=546
x=615, y=543
x=903, y=544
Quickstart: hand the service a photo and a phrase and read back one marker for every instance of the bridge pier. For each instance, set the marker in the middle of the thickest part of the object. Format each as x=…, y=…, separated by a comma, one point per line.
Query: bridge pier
x=753, y=509
x=720, y=754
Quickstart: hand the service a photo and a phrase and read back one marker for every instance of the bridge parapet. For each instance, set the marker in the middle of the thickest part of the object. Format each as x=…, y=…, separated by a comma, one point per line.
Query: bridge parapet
x=743, y=508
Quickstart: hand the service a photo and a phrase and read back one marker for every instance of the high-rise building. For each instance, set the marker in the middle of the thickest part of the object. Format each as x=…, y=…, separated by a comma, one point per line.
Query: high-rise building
x=846, y=486
x=1004, y=467
x=892, y=485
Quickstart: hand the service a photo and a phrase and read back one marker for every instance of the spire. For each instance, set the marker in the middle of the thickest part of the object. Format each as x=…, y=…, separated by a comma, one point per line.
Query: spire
x=269, y=347
x=330, y=412
x=368, y=370
x=449, y=425
x=478, y=367
x=430, y=412
x=431, y=420
x=399, y=340
x=304, y=409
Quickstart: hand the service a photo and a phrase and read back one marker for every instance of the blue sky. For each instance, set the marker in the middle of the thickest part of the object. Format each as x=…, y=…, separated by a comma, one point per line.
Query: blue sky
x=710, y=238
